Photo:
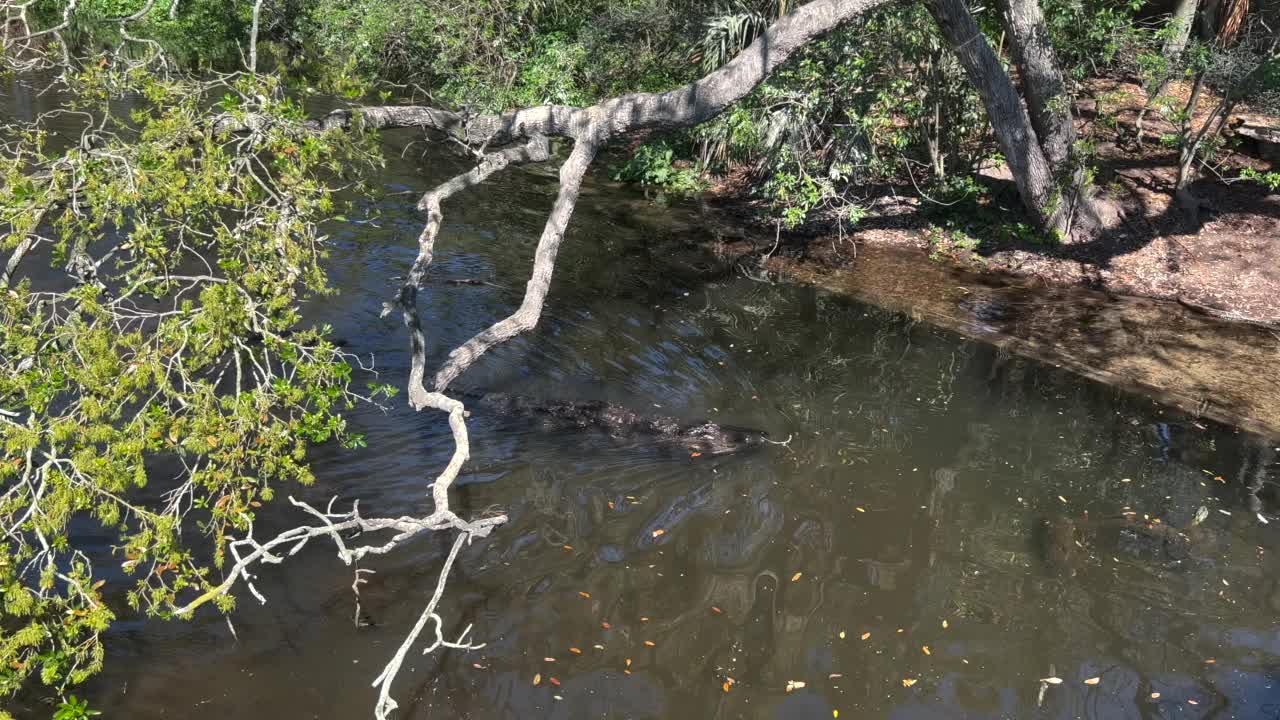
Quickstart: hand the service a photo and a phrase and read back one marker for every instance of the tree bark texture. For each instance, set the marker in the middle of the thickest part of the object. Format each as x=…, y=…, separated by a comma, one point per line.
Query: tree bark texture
x=1009, y=119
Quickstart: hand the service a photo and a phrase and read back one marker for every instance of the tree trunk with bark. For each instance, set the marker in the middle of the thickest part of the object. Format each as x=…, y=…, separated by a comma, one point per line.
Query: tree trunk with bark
x=1036, y=136
x=1175, y=42
x=1009, y=119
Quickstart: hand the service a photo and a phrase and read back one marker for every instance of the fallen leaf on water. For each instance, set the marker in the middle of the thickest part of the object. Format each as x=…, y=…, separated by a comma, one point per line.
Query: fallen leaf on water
x=555, y=682
x=866, y=635
x=575, y=651
x=841, y=634
x=796, y=577
x=794, y=685
x=835, y=676
x=568, y=547
x=628, y=672
x=944, y=624
x=860, y=509
x=650, y=643
x=537, y=679
x=1052, y=680
x=598, y=646
x=644, y=619
x=478, y=666
x=558, y=697
x=835, y=713
x=1210, y=661
x=1193, y=702
x=908, y=682
x=1155, y=696
x=584, y=594
x=1062, y=498
x=725, y=686
x=695, y=454
x=1093, y=681
x=548, y=659
x=605, y=625
x=716, y=610
x=659, y=532
x=611, y=505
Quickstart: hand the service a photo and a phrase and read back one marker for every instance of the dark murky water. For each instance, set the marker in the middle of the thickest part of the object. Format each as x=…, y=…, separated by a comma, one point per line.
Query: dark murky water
x=908, y=511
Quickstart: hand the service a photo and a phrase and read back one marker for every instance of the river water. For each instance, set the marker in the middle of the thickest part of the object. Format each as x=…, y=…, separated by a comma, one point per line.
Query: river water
x=892, y=556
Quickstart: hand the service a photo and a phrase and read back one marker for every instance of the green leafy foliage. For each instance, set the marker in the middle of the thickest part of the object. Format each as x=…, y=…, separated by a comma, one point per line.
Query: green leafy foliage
x=174, y=340
x=497, y=54
x=74, y=708
x=206, y=34
x=655, y=165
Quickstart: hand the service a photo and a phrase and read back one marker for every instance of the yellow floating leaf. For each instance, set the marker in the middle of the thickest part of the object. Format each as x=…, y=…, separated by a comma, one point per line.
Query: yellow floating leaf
x=796, y=577
x=659, y=532
x=628, y=662
x=860, y=509
x=725, y=686
x=584, y=594
x=944, y=625
x=575, y=651
x=1155, y=696
x=866, y=635
x=537, y=679
x=1062, y=498
x=650, y=643
x=908, y=682
x=841, y=634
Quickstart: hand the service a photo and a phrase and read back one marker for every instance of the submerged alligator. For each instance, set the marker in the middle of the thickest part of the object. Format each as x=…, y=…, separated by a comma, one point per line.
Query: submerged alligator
x=699, y=438
x=1068, y=544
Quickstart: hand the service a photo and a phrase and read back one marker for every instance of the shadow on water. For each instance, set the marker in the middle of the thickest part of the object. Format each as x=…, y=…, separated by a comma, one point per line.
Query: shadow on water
x=907, y=512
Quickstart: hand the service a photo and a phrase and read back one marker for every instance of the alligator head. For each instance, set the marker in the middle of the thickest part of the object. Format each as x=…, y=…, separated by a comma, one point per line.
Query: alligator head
x=708, y=438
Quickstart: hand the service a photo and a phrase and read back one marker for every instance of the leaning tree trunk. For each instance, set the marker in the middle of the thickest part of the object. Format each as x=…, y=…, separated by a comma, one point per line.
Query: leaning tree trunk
x=1042, y=81
x=1014, y=132
x=1184, y=16
x=1050, y=106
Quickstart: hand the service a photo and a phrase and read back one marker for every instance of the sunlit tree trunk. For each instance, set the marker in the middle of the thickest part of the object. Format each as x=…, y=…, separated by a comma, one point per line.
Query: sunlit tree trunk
x=1009, y=119
x=1178, y=34
x=1036, y=136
